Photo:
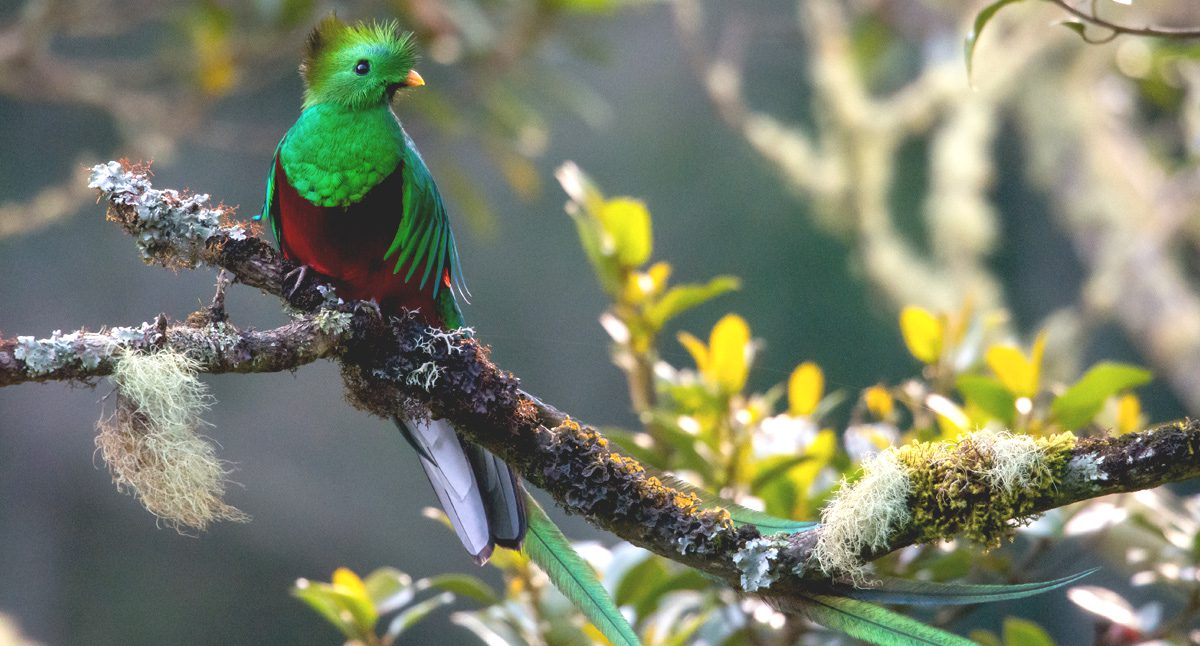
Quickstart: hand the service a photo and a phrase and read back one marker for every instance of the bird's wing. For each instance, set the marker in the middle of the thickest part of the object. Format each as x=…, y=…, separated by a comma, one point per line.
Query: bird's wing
x=423, y=241
x=270, y=208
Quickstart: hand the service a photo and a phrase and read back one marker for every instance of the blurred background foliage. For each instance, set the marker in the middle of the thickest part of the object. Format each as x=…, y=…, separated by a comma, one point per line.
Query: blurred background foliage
x=910, y=254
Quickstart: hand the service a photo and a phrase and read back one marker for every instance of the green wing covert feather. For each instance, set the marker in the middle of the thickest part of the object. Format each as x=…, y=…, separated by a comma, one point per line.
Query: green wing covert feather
x=424, y=240
x=269, y=207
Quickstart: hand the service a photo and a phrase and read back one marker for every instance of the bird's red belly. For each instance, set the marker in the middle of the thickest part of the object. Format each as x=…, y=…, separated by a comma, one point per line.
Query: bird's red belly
x=347, y=244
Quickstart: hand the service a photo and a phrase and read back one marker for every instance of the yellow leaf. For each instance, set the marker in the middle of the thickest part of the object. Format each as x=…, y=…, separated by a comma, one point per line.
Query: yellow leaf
x=697, y=349
x=880, y=402
x=805, y=388
x=627, y=222
x=593, y=633
x=347, y=582
x=923, y=333
x=729, y=353
x=659, y=273
x=1011, y=368
x=1019, y=374
x=951, y=420
x=1129, y=414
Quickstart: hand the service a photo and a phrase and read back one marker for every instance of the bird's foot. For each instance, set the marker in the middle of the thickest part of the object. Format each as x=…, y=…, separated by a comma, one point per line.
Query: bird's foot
x=295, y=278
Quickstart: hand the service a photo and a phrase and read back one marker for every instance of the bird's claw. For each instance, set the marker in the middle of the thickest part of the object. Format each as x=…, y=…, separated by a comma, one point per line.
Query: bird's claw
x=298, y=274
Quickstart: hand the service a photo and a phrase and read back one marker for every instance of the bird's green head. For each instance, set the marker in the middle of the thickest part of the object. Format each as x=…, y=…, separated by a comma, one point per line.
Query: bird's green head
x=357, y=66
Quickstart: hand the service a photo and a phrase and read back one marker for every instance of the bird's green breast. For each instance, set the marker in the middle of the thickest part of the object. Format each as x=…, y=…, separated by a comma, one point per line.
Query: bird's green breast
x=333, y=156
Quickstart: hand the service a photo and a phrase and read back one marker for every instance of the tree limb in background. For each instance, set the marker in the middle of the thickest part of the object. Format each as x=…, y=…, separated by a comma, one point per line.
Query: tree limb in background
x=403, y=365
x=1120, y=198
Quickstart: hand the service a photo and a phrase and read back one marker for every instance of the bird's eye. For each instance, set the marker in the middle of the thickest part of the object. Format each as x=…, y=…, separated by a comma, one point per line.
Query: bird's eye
x=362, y=67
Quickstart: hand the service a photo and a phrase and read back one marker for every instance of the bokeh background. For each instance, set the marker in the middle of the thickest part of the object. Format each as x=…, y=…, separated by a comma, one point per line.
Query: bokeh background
x=999, y=191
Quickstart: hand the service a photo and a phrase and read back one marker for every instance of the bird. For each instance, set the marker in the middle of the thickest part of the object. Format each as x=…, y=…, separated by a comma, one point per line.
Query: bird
x=350, y=197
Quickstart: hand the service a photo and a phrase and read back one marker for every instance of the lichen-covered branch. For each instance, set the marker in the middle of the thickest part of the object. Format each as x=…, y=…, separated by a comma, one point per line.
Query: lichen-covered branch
x=83, y=356
x=978, y=486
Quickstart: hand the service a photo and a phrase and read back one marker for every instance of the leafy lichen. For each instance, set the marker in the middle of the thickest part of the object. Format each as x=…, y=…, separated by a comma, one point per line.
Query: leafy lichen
x=170, y=227
x=754, y=563
x=59, y=351
x=333, y=322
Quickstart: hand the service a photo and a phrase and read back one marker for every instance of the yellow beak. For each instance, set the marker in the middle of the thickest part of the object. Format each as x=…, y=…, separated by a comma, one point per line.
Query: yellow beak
x=413, y=79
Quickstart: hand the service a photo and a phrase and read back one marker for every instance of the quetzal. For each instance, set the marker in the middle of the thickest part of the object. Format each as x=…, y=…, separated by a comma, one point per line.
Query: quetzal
x=350, y=197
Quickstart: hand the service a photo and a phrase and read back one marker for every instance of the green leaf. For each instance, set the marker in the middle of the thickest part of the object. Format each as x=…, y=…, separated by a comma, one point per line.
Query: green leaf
x=687, y=579
x=682, y=632
x=775, y=467
x=1075, y=26
x=550, y=550
x=410, y=617
x=981, y=20
x=873, y=623
x=471, y=587
x=989, y=395
x=639, y=580
x=1080, y=403
x=1019, y=632
x=766, y=523
x=681, y=298
x=320, y=597
x=590, y=235
x=385, y=584
x=932, y=593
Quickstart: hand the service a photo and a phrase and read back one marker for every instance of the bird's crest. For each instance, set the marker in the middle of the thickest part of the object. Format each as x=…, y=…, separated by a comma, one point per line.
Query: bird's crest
x=334, y=48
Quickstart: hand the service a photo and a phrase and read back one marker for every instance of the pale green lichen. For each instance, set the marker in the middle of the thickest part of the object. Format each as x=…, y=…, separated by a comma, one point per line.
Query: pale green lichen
x=1087, y=467
x=333, y=322
x=863, y=515
x=152, y=446
x=171, y=228
x=59, y=351
x=42, y=356
x=753, y=561
x=124, y=335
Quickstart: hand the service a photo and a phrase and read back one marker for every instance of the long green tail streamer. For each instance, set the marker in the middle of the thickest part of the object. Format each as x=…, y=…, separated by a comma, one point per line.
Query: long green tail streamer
x=875, y=624
x=552, y=552
x=928, y=593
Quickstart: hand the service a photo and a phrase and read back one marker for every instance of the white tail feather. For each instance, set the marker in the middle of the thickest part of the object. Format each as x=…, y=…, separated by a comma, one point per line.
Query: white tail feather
x=450, y=474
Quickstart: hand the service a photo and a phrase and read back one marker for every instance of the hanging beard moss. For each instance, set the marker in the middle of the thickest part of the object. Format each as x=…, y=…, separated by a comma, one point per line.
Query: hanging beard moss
x=152, y=446
x=981, y=487
x=863, y=515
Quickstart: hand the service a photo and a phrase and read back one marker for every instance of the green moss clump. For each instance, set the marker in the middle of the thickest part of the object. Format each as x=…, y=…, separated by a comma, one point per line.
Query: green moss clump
x=983, y=486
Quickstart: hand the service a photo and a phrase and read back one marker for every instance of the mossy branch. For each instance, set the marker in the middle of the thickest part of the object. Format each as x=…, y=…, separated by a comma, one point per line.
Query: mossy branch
x=978, y=486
